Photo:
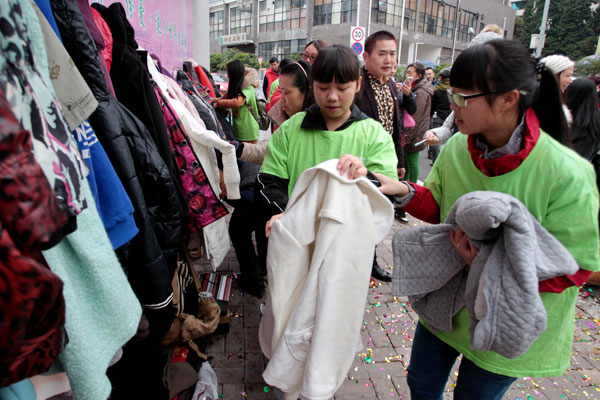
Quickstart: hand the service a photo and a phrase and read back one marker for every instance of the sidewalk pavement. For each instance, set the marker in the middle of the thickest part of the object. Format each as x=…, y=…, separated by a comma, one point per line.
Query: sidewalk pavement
x=379, y=371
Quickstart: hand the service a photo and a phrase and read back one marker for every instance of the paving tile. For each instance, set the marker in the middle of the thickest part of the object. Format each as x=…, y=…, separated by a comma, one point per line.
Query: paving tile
x=382, y=311
x=251, y=315
x=401, y=387
x=385, y=370
x=226, y=360
x=229, y=375
x=356, y=390
x=257, y=391
x=252, y=344
x=523, y=394
x=378, y=336
x=383, y=354
x=358, y=370
x=233, y=391
x=384, y=388
x=253, y=368
x=584, y=378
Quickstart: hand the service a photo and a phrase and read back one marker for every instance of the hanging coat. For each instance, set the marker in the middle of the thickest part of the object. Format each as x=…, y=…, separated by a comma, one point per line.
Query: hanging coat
x=142, y=171
x=32, y=307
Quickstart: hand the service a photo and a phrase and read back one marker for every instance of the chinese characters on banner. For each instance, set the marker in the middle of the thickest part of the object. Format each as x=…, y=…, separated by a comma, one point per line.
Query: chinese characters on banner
x=165, y=28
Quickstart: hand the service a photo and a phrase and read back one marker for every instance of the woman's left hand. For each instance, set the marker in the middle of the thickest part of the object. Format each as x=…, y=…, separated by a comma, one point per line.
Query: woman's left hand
x=405, y=89
x=353, y=165
x=463, y=245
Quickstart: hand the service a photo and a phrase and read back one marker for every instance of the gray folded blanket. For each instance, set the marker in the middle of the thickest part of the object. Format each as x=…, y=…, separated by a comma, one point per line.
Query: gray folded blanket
x=500, y=289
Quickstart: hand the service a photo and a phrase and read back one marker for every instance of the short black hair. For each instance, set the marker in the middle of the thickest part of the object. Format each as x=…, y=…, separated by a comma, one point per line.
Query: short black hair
x=419, y=68
x=273, y=59
x=285, y=62
x=375, y=37
x=335, y=62
x=445, y=73
x=430, y=69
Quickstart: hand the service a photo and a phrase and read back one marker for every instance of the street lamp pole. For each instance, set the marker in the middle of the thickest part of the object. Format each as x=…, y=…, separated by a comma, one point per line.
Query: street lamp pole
x=542, y=37
x=455, y=30
x=401, y=31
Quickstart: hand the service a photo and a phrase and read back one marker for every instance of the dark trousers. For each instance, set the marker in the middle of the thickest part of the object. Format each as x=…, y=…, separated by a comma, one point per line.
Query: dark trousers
x=430, y=363
x=245, y=220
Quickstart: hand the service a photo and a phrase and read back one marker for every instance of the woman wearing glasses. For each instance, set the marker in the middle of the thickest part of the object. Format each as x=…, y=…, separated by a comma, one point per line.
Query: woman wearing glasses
x=514, y=140
x=312, y=49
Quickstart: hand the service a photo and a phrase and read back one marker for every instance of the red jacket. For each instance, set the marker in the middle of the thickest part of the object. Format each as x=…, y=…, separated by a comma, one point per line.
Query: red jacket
x=424, y=206
x=270, y=76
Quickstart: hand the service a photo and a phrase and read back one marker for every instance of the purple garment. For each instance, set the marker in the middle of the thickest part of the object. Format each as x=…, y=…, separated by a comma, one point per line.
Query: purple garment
x=160, y=67
x=203, y=204
x=84, y=7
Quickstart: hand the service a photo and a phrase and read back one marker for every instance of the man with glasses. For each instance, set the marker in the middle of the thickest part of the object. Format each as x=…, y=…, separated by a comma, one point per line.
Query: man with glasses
x=380, y=100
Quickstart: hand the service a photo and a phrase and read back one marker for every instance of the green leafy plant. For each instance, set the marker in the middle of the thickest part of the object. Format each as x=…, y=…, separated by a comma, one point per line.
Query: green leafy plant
x=218, y=62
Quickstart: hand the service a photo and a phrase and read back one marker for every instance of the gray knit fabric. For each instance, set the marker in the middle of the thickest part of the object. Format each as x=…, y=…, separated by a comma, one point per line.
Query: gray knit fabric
x=500, y=289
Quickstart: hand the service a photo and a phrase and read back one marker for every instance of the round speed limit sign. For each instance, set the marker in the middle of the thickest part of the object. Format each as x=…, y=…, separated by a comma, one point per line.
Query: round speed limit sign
x=358, y=34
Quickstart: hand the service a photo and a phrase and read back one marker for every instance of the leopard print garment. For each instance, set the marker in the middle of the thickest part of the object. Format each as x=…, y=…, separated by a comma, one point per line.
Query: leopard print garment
x=36, y=108
x=385, y=103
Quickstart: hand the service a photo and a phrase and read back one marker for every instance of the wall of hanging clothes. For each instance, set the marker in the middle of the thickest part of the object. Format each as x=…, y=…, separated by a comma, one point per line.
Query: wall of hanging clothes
x=108, y=164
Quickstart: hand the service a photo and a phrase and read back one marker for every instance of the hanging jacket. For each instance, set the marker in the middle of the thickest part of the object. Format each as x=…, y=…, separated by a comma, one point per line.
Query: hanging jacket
x=37, y=110
x=132, y=82
x=110, y=197
x=32, y=307
x=205, y=110
x=98, y=39
x=106, y=35
x=140, y=168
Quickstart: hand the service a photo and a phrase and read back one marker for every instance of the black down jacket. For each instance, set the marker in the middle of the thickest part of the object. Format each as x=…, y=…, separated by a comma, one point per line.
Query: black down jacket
x=150, y=259
x=131, y=79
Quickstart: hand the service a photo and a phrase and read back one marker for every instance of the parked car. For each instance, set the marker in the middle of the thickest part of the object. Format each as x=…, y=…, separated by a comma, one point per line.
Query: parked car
x=221, y=81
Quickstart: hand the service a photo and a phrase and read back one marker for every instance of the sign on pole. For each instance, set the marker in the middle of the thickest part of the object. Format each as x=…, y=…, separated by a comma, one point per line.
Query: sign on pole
x=260, y=60
x=357, y=39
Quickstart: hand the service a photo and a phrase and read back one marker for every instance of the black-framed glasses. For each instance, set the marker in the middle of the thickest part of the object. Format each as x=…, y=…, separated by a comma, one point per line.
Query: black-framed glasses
x=461, y=99
x=308, y=57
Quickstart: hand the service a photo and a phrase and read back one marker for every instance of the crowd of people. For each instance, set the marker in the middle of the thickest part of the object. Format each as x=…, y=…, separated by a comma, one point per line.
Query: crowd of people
x=527, y=130
x=113, y=165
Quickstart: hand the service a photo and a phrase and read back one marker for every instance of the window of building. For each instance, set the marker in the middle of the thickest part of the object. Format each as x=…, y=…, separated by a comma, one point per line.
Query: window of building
x=215, y=22
x=519, y=4
x=282, y=15
x=281, y=49
x=448, y=15
x=240, y=19
x=467, y=23
x=389, y=12
x=335, y=12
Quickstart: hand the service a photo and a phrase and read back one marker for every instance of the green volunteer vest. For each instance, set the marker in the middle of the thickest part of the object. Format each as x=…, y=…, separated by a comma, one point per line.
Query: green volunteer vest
x=292, y=149
x=558, y=187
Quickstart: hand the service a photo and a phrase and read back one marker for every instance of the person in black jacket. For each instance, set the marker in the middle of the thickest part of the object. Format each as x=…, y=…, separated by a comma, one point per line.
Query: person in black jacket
x=380, y=100
x=440, y=106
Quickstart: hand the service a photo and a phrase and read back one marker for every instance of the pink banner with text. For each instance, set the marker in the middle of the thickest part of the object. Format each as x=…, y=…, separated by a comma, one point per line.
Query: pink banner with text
x=165, y=28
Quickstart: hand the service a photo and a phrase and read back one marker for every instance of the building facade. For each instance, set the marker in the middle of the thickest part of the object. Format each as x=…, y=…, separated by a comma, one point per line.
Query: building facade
x=431, y=29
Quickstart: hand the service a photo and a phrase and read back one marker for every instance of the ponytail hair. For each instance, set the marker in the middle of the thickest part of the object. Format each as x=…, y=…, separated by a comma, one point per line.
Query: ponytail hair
x=505, y=65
